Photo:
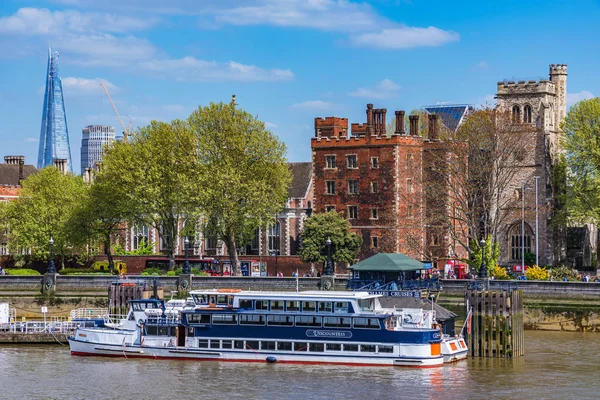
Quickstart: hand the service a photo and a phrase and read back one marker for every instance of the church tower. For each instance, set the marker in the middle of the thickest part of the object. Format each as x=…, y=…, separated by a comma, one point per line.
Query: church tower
x=541, y=103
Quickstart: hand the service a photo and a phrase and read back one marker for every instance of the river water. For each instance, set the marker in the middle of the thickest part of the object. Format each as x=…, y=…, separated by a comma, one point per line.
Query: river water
x=557, y=365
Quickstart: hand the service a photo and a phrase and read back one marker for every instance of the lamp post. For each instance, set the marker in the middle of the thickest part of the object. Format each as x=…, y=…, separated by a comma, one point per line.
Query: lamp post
x=482, y=269
x=186, y=264
x=275, y=253
x=51, y=267
x=329, y=267
x=523, y=228
x=537, y=240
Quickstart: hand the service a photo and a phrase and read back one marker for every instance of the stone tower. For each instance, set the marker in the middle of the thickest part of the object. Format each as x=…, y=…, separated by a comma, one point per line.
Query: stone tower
x=541, y=103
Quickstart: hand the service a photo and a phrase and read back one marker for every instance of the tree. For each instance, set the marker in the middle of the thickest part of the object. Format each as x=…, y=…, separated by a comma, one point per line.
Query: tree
x=43, y=211
x=156, y=175
x=491, y=253
x=245, y=176
x=582, y=132
x=330, y=225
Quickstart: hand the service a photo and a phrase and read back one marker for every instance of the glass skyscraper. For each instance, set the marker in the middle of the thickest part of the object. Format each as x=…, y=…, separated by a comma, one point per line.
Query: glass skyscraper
x=54, y=135
x=93, y=140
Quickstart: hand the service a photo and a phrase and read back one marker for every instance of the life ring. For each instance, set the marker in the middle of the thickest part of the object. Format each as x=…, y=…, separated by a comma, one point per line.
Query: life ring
x=184, y=284
x=327, y=285
x=48, y=283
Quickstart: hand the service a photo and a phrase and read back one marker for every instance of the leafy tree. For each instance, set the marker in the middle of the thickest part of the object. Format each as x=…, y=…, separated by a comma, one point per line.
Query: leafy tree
x=156, y=174
x=330, y=225
x=43, y=211
x=491, y=252
x=245, y=176
x=582, y=131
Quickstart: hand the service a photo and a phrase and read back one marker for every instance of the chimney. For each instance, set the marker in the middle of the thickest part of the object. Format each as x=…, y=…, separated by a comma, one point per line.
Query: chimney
x=369, y=119
x=414, y=125
x=10, y=160
x=61, y=164
x=399, y=123
x=433, y=134
x=383, y=127
x=21, y=160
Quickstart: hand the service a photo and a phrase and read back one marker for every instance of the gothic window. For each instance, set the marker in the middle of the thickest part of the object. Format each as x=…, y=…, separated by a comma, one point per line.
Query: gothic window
x=273, y=235
x=527, y=114
x=516, y=113
x=165, y=240
x=353, y=186
x=140, y=236
x=518, y=241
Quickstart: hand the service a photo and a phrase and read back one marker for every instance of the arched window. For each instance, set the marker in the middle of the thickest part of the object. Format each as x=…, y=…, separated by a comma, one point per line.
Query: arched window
x=274, y=234
x=516, y=113
x=527, y=114
x=140, y=236
x=517, y=241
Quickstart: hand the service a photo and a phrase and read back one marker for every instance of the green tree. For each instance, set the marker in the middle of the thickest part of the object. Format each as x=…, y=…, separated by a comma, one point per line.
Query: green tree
x=582, y=131
x=245, y=176
x=491, y=252
x=330, y=225
x=155, y=174
x=43, y=211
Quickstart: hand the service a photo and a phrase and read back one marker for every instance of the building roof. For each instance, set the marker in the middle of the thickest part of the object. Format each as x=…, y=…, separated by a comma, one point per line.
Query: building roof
x=301, y=176
x=9, y=173
x=388, y=262
x=451, y=114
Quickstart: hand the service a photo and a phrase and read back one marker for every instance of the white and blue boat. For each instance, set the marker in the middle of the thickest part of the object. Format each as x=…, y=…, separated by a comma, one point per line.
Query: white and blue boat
x=314, y=327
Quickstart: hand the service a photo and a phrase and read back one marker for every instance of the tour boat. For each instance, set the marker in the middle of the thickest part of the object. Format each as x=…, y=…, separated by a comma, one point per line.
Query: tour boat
x=313, y=327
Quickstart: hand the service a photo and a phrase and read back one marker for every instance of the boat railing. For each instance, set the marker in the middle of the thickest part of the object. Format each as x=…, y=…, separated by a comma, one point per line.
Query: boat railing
x=81, y=313
x=113, y=319
x=415, y=284
x=39, y=327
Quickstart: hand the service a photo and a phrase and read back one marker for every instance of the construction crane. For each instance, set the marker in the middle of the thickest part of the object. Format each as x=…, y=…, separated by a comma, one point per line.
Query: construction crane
x=125, y=130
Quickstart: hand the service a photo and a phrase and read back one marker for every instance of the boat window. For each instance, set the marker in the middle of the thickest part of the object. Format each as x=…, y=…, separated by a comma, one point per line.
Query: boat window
x=368, y=348
x=151, y=330
x=308, y=321
x=212, y=299
x=386, y=349
x=350, y=347
x=309, y=306
x=238, y=344
x=320, y=347
x=215, y=344
x=203, y=344
x=224, y=319
x=252, y=319
x=280, y=320
x=261, y=305
x=162, y=331
x=173, y=331
x=201, y=299
x=277, y=305
x=337, y=322
x=226, y=344
x=198, y=318
x=334, y=346
x=245, y=303
x=292, y=305
x=190, y=332
x=284, y=346
x=325, y=306
x=341, y=306
x=369, y=323
x=365, y=304
x=300, y=346
x=230, y=301
x=251, y=344
x=267, y=345
x=222, y=299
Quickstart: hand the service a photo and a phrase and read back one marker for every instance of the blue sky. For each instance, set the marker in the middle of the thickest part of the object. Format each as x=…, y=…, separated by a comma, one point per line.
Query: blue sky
x=288, y=61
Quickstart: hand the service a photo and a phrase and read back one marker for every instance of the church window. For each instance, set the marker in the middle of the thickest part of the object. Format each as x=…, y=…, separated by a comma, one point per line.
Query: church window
x=527, y=114
x=518, y=242
x=516, y=113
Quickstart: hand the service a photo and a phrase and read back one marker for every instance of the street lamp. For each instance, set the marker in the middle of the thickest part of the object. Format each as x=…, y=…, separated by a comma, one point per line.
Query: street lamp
x=329, y=267
x=275, y=253
x=51, y=267
x=482, y=269
x=186, y=264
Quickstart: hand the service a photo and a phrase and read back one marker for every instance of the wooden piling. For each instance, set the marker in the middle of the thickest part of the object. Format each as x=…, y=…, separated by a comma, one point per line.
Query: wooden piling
x=119, y=295
x=496, y=324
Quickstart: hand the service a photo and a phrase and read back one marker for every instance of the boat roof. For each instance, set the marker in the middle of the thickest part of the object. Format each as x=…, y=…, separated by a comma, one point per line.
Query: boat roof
x=316, y=294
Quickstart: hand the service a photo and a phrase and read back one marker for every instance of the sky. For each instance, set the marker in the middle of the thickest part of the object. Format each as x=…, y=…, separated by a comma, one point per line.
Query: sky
x=287, y=61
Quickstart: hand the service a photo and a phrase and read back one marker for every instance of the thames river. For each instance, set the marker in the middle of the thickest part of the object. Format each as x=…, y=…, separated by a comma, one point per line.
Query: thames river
x=557, y=365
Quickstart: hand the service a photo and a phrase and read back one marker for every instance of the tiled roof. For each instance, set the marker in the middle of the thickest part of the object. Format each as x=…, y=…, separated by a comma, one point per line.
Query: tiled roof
x=301, y=176
x=9, y=173
x=451, y=115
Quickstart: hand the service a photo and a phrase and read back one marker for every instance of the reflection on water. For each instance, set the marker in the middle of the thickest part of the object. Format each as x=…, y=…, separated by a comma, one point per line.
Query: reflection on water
x=556, y=366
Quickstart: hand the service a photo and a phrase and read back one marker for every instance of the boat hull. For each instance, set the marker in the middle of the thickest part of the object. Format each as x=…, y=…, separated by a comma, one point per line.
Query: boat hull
x=454, y=349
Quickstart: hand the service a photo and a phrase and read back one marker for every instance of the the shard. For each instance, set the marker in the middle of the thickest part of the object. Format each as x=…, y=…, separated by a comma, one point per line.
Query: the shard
x=54, y=135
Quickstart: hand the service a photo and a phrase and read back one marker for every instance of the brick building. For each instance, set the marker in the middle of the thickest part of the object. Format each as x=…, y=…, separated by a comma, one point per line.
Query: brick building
x=376, y=181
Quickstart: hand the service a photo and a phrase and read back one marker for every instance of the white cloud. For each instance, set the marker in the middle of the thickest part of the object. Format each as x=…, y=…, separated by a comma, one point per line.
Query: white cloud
x=192, y=69
x=73, y=85
x=573, y=98
x=480, y=66
x=405, y=38
x=270, y=125
x=32, y=140
x=383, y=90
x=314, y=105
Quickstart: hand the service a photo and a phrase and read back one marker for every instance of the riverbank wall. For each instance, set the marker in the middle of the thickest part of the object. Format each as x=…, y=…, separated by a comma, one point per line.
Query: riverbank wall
x=558, y=306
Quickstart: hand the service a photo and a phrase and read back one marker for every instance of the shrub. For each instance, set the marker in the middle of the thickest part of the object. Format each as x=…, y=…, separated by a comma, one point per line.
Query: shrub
x=82, y=271
x=536, y=273
x=22, y=271
x=559, y=273
x=500, y=273
x=153, y=271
